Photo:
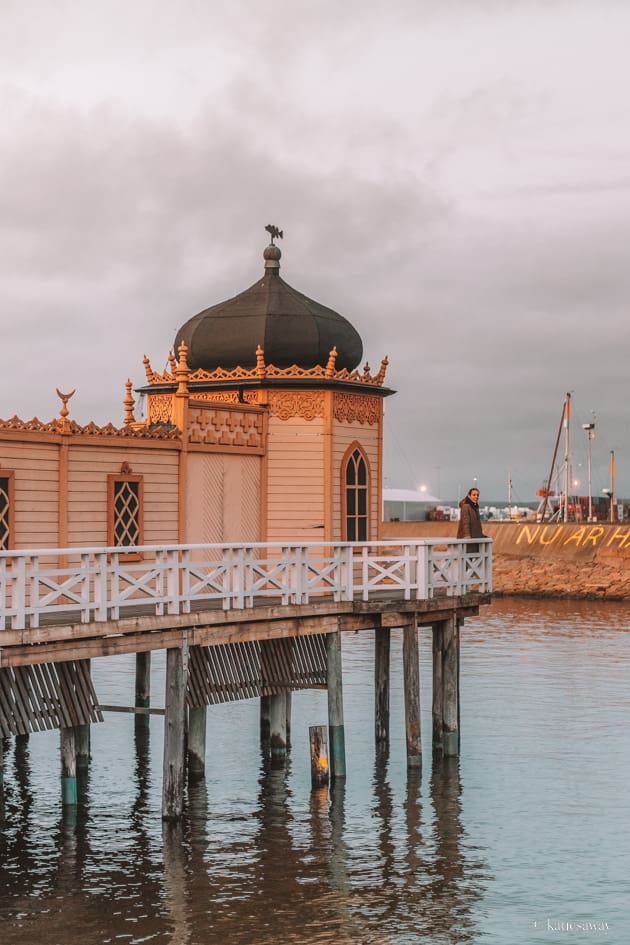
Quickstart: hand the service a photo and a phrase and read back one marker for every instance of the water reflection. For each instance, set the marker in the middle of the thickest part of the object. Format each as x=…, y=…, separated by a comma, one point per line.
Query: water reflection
x=291, y=870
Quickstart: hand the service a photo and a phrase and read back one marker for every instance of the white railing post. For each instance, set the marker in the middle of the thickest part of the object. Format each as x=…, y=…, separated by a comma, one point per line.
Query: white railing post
x=100, y=586
x=227, y=578
x=407, y=571
x=185, y=578
x=461, y=565
x=172, y=580
x=114, y=610
x=34, y=591
x=422, y=572
x=487, y=574
x=18, y=593
x=238, y=579
x=85, y=588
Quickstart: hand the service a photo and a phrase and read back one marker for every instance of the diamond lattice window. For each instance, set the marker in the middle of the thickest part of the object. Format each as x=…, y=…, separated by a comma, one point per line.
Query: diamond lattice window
x=6, y=512
x=125, y=511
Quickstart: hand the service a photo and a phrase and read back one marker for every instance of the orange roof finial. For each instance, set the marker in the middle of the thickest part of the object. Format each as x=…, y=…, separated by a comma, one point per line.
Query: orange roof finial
x=172, y=363
x=260, y=361
x=128, y=404
x=63, y=425
x=332, y=357
x=380, y=377
x=182, y=371
x=366, y=371
x=147, y=369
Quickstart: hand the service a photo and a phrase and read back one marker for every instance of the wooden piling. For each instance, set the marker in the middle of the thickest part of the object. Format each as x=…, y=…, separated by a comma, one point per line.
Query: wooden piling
x=437, y=711
x=68, y=767
x=411, y=679
x=450, y=687
x=265, y=724
x=197, y=740
x=278, y=728
x=289, y=703
x=336, y=731
x=319, y=755
x=381, y=686
x=174, y=733
x=143, y=688
x=82, y=744
x=82, y=735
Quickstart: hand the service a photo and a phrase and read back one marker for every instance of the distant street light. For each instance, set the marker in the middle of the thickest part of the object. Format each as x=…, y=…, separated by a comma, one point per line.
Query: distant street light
x=589, y=429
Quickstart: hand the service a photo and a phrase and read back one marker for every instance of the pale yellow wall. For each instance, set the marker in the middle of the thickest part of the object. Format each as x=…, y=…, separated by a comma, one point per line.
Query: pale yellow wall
x=344, y=434
x=36, y=480
x=88, y=469
x=295, y=479
x=222, y=498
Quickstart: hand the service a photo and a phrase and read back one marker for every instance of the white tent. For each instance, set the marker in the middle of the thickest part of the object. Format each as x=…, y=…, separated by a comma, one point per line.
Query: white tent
x=408, y=495
x=407, y=505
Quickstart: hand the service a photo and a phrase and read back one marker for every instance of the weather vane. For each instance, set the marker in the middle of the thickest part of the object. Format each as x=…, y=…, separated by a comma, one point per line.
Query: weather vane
x=274, y=232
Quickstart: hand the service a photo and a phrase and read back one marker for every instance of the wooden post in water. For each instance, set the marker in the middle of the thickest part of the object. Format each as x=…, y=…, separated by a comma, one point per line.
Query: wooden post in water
x=411, y=677
x=278, y=728
x=289, y=702
x=437, y=711
x=197, y=716
x=382, y=639
x=336, y=731
x=143, y=688
x=82, y=736
x=68, y=767
x=319, y=755
x=265, y=724
x=174, y=732
x=450, y=687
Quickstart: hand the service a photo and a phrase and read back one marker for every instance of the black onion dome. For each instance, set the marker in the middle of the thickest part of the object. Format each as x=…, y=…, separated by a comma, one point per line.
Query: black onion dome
x=290, y=327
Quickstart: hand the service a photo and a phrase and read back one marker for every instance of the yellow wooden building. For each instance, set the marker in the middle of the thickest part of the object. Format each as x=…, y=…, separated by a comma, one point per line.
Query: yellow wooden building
x=262, y=428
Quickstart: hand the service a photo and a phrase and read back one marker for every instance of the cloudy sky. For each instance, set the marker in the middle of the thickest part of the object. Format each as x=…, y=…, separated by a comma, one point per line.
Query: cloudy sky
x=451, y=175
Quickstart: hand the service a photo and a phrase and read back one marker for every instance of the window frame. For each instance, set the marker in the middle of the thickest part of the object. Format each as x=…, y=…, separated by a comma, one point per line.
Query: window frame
x=9, y=475
x=357, y=516
x=112, y=480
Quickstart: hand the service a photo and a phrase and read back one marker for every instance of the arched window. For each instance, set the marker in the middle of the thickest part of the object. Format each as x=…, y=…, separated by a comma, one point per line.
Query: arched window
x=356, y=497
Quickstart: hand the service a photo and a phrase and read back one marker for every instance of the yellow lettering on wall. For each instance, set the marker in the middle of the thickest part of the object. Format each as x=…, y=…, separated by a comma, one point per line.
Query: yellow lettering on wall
x=554, y=537
x=594, y=534
x=526, y=533
x=576, y=536
x=619, y=535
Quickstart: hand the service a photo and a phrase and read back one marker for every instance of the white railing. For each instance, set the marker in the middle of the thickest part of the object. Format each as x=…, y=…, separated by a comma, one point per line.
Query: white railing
x=100, y=584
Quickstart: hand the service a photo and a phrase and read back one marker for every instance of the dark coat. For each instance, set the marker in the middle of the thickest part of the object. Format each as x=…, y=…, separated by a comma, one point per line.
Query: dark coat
x=469, y=520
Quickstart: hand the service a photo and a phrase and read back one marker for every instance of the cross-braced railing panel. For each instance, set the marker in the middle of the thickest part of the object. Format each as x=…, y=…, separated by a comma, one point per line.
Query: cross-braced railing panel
x=100, y=584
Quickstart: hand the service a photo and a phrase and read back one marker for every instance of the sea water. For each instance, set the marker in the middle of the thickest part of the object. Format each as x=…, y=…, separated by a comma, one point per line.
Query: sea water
x=525, y=838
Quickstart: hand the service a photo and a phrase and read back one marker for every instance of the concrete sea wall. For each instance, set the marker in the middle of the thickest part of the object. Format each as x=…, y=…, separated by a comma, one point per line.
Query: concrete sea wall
x=563, y=560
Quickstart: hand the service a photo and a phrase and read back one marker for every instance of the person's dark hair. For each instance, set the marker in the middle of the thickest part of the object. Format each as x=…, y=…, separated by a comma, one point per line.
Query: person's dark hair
x=474, y=489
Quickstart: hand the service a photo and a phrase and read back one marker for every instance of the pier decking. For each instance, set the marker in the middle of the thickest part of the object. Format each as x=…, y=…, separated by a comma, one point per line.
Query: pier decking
x=237, y=621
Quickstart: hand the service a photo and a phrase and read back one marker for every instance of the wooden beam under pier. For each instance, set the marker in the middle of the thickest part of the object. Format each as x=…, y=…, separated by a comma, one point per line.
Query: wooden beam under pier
x=77, y=641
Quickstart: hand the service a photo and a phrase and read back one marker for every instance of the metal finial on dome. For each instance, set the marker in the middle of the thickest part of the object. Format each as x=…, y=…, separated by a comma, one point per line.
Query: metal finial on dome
x=274, y=232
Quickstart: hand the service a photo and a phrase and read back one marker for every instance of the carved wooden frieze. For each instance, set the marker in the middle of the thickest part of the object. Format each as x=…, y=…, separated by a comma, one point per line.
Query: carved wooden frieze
x=226, y=396
x=226, y=428
x=357, y=407
x=306, y=404
x=159, y=408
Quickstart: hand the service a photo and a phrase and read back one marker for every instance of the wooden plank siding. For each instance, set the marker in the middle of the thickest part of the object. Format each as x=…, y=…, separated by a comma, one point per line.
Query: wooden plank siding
x=295, y=479
x=36, y=483
x=88, y=468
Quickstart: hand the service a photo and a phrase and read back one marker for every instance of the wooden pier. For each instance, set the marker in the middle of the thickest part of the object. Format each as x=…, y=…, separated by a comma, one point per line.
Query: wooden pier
x=237, y=621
